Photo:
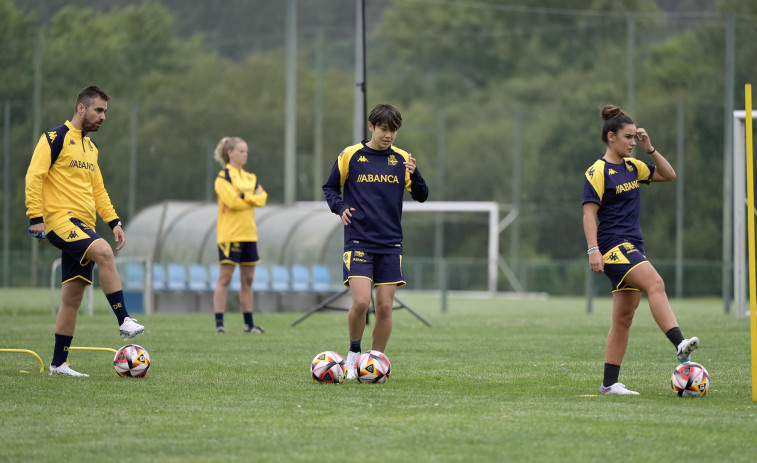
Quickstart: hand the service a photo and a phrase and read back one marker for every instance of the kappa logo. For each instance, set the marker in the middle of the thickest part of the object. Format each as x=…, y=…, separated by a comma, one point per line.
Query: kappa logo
x=72, y=142
x=392, y=160
x=362, y=159
x=612, y=171
x=52, y=136
x=613, y=256
x=73, y=235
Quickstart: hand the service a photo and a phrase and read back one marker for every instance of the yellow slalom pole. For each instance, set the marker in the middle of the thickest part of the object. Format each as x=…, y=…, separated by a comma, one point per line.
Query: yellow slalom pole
x=750, y=239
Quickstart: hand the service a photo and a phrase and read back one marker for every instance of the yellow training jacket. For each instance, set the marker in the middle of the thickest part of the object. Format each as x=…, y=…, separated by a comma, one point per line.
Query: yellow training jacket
x=236, y=205
x=64, y=180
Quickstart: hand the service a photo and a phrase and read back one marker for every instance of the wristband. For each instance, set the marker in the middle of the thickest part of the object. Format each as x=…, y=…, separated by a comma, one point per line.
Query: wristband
x=651, y=152
x=592, y=250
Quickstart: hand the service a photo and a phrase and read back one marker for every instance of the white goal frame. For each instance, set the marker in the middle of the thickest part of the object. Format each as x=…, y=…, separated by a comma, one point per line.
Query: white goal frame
x=740, y=214
x=495, y=227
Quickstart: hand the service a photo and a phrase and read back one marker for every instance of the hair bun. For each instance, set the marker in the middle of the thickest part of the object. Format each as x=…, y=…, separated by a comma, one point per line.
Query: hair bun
x=610, y=111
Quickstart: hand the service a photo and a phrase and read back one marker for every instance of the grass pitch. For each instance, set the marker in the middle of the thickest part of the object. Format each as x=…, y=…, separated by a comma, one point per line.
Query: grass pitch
x=494, y=380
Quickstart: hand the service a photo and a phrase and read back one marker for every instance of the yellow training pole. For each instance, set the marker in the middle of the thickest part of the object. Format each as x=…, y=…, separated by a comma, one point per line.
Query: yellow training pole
x=101, y=349
x=750, y=236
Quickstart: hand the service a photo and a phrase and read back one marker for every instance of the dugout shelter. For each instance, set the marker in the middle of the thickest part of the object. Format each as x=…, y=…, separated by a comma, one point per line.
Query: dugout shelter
x=170, y=263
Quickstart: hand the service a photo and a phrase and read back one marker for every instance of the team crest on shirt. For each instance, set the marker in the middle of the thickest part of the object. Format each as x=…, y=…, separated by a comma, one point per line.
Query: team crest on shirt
x=629, y=167
x=392, y=160
x=52, y=136
x=590, y=172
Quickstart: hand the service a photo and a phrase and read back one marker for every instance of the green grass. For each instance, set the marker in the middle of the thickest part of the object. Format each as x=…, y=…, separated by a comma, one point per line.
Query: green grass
x=493, y=380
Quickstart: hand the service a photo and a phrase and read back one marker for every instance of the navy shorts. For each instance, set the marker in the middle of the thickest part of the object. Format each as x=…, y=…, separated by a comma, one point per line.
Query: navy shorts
x=238, y=253
x=619, y=261
x=381, y=269
x=74, y=238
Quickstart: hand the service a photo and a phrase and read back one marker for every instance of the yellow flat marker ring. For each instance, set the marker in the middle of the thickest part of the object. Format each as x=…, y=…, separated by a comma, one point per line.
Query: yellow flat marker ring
x=26, y=351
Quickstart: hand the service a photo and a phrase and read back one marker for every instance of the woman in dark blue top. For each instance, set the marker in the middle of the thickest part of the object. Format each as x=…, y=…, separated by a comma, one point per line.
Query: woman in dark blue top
x=374, y=176
x=611, y=209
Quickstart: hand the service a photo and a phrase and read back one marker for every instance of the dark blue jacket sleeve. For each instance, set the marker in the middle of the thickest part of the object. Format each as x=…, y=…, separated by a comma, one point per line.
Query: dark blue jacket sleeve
x=418, y=187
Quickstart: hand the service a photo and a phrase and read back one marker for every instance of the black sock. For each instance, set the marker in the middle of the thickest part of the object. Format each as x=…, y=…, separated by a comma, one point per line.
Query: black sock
x=248, y=319
x=355, y=346
x=60, y=352
x=675, y=336
x=219, y=319
x=116, y=301
x=611, y=374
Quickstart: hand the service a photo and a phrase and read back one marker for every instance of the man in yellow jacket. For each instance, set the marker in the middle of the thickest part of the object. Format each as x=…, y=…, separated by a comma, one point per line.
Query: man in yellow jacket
x=64, y=192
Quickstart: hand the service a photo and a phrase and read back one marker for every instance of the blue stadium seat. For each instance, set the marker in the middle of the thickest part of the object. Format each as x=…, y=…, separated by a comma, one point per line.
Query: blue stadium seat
x=158, y=277
x=279, y=278
x=134, y=276
x=300, y=278
x=321, y=278
x=177, y=277
x=198, y=277
x=262, y=280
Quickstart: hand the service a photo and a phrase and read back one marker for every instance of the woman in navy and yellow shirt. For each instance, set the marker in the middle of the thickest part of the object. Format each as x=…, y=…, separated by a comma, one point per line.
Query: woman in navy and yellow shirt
x=365, y=188
x=611, y=207
x=239, y=193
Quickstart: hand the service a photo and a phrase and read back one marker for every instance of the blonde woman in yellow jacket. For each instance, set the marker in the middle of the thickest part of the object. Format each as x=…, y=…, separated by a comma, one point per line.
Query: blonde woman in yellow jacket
x=239, y=193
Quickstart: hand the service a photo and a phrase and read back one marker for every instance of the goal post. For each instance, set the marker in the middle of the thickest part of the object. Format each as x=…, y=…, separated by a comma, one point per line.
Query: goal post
x=740, y=211
x=494, y=228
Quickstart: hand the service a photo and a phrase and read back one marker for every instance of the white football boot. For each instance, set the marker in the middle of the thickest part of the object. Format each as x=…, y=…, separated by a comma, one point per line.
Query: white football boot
x=616, y=389
x=351, y=365
x=130, y=328
x=65, y=370
x=685, y=348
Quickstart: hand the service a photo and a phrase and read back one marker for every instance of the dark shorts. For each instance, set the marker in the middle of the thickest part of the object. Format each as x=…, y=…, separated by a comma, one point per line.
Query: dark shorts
x=238, y=253
x=74, y=238
x=621, y=259
x=381, y=269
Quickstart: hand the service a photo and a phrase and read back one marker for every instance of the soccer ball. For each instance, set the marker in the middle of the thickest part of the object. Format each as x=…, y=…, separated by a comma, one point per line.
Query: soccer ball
x=373, y=367
x=328, y=367
x=132, y=360
x=690, y=379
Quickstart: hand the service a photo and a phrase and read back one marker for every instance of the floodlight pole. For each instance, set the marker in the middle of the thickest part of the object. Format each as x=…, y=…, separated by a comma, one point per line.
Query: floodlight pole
x=728, y=166
x=359, y=130
x=290, y=131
